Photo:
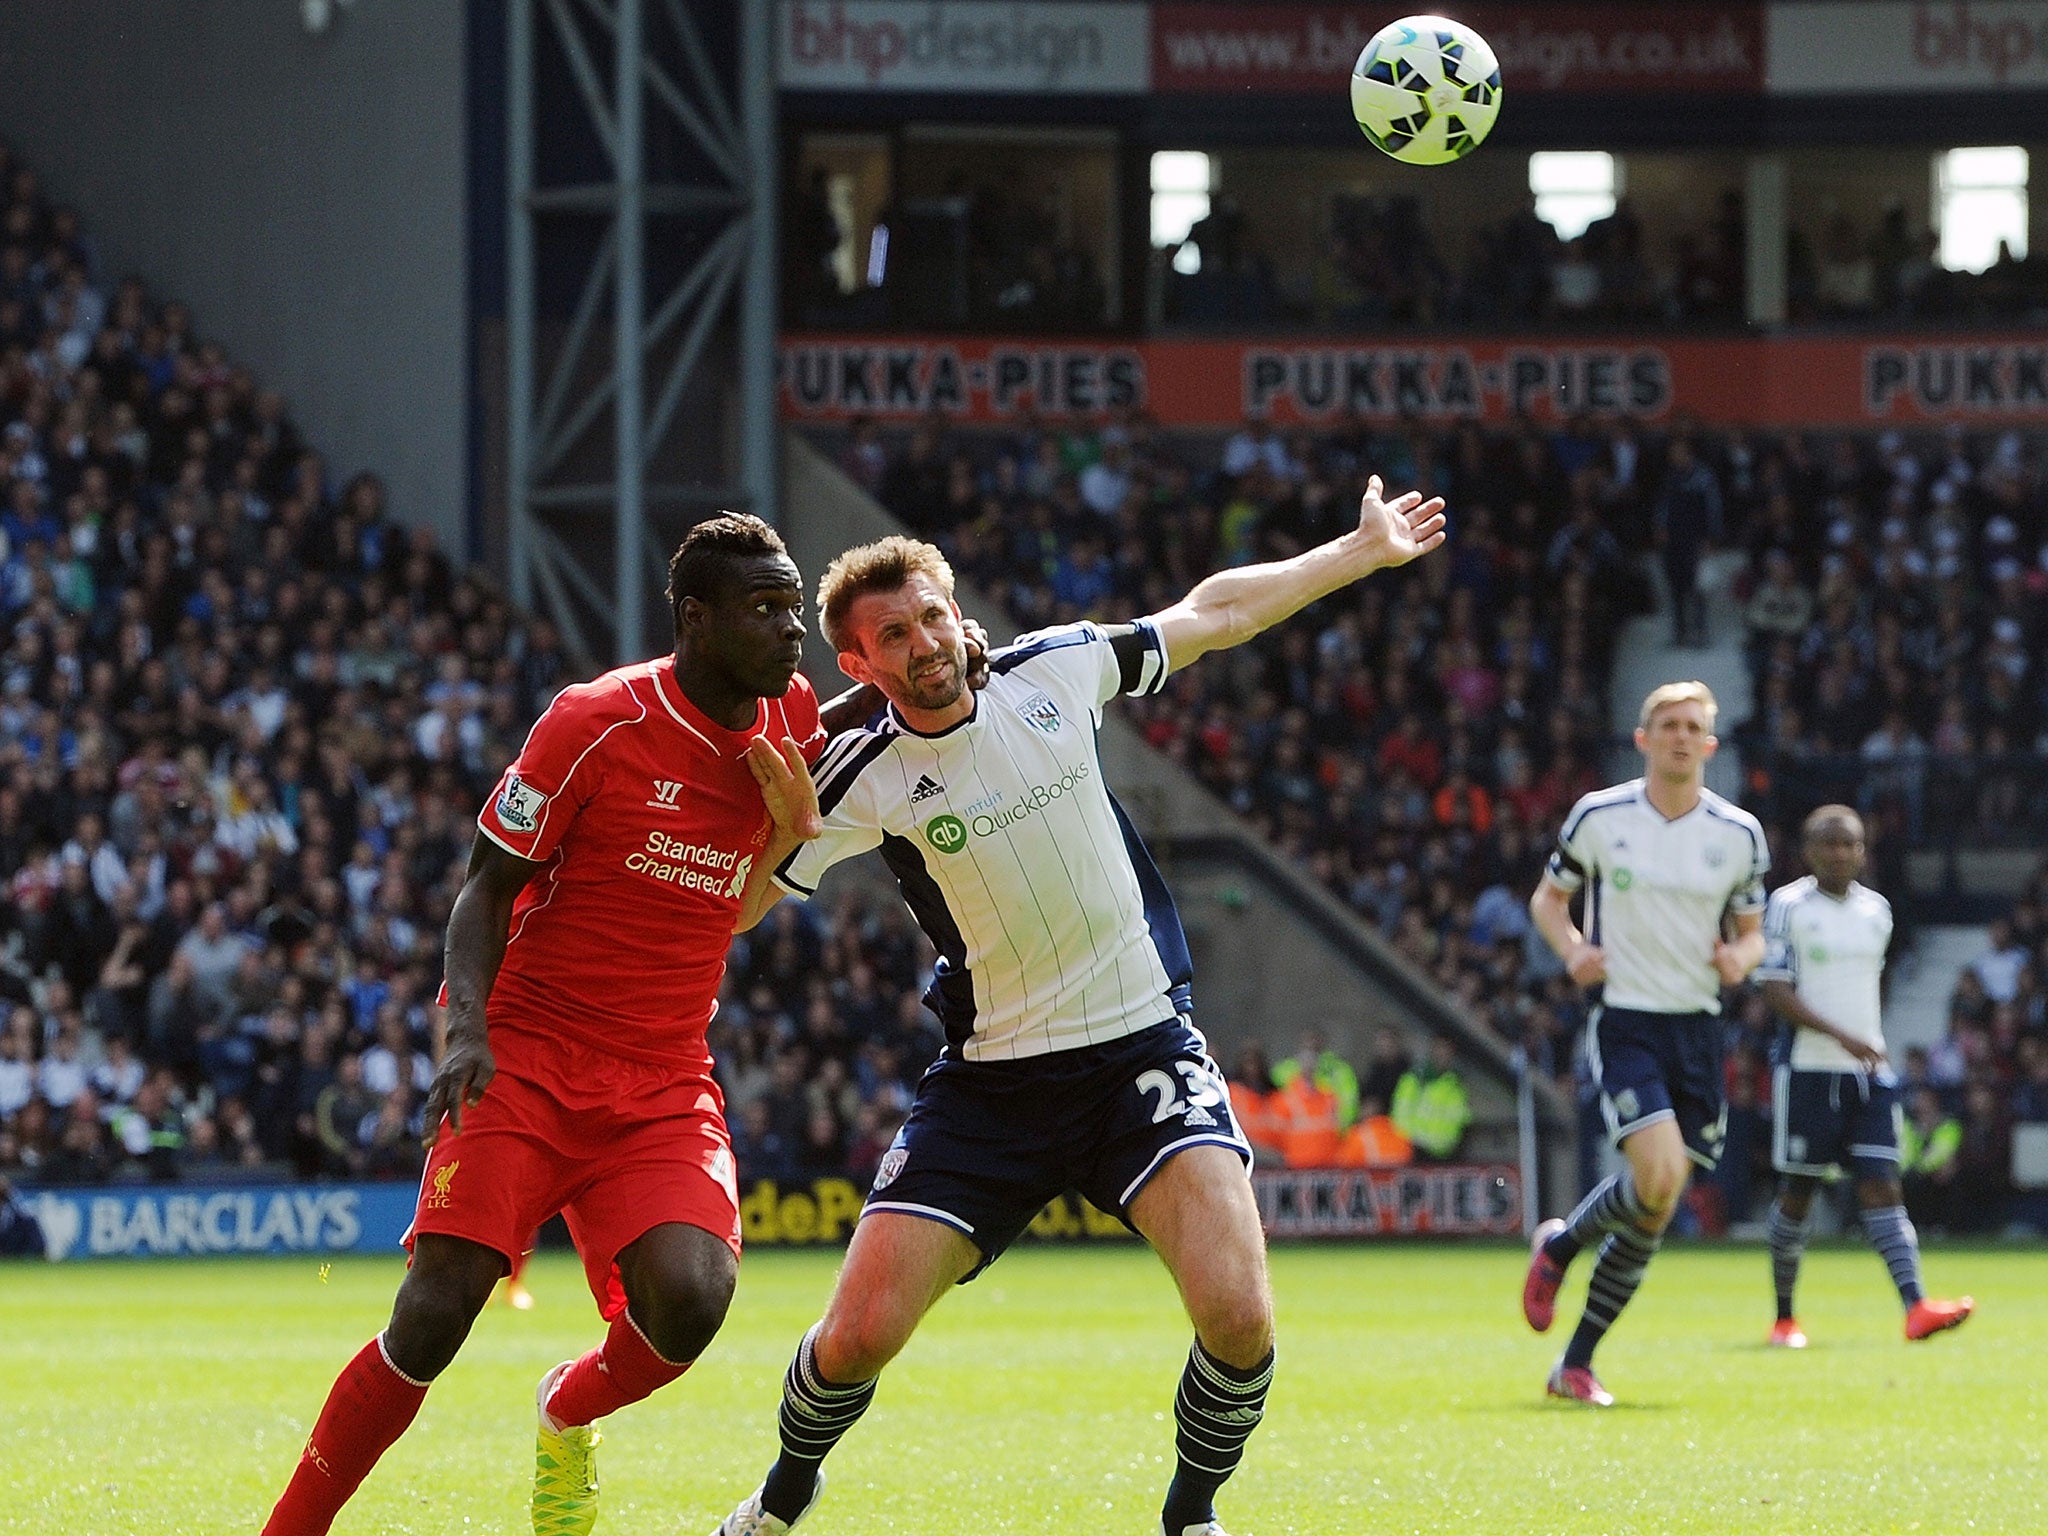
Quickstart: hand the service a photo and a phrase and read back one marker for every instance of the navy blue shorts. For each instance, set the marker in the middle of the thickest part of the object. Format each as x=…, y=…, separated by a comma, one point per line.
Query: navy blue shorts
x=1660, y=1066
x=989, y=1143
x=1824, y=1121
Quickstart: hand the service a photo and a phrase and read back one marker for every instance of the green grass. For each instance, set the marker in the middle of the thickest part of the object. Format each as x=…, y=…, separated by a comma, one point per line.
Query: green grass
x=173, y=1397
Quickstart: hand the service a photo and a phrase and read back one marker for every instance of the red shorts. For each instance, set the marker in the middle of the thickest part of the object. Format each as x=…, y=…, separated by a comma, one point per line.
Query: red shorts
x=617, y=1146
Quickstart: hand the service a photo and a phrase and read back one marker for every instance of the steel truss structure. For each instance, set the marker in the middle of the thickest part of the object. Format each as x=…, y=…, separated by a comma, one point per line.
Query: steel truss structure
x=641, y=187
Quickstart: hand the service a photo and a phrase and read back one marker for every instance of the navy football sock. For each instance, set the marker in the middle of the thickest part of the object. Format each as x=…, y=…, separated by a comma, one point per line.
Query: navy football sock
x=1623, y=1258
x=1611, y=1205
x=815, y=1414
x=1788, y=1246
x=1215, y=1411
x=1892, y=1235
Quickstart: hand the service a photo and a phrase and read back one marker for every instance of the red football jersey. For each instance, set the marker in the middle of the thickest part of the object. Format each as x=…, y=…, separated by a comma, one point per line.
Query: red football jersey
x=648, y=820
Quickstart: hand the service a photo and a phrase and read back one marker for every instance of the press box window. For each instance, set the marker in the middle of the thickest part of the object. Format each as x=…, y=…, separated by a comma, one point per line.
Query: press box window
x=1980, y=203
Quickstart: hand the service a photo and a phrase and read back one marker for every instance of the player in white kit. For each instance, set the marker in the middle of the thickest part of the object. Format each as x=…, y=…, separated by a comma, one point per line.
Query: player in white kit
x=1666, y=866
x=1835, y=1099
x=1063, y=983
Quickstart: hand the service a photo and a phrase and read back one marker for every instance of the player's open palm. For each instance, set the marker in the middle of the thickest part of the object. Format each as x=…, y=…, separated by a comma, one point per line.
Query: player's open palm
x=786, y=787
x=1397, y=531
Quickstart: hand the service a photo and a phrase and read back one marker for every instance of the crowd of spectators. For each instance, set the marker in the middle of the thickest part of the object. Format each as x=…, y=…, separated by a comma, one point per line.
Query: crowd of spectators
x=1897, y=612
x=1984, y=1082
x=1413, y=742
x=245, y=725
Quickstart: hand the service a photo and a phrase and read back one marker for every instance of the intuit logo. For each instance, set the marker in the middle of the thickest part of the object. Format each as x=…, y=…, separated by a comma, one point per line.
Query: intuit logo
x=949, y=834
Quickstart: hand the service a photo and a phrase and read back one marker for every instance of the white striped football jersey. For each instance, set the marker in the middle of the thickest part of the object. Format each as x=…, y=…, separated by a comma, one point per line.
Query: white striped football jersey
x=1656, y=891
x=1053, y=927
x=1832, y=951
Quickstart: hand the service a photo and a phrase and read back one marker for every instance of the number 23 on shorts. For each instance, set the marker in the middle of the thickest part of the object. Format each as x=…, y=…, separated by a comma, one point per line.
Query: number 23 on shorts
x=1204, y=1090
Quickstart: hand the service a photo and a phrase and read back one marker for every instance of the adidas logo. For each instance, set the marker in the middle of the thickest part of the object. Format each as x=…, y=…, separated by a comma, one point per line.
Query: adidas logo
x=1197, y=1115
x=925, y=787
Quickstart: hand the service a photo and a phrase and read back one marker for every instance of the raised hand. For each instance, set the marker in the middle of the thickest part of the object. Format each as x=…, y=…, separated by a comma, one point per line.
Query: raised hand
x=1395, y=532
x=786, y=787
x=977, y=652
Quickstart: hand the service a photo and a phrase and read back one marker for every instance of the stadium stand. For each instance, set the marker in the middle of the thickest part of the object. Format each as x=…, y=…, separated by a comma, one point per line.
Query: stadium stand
x=245, y=724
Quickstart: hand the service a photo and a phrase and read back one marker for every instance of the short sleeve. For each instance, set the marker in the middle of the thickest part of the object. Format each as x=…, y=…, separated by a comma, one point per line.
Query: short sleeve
x=1749, y=896
x=1573, y=859
x=1099, y=662
x=1781, y=955
x=851, y=825
x=553, y=778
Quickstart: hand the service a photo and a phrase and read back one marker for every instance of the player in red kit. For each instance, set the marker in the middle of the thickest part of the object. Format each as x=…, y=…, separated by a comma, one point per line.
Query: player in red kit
x=584, y=957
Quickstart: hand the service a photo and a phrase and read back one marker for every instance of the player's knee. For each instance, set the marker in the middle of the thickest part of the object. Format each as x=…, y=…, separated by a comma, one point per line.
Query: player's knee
x=855, y=1342
x=1236, y=1329
x=1657, y=1192
x=429, y=1322
x=685, y=1314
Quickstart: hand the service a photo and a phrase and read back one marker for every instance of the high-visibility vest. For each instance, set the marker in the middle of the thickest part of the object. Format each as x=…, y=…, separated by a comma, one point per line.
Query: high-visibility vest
x=1931, y=1152
x=1432, y=1113
x=1308, y=1114
x=1333, y=1074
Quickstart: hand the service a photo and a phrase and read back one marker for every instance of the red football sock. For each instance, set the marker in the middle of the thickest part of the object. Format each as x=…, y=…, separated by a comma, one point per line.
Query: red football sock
x=619, y=1371
x=370, y=1406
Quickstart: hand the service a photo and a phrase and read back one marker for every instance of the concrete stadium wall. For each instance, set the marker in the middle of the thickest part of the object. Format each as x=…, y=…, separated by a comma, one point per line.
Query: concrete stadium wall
x=304, y=195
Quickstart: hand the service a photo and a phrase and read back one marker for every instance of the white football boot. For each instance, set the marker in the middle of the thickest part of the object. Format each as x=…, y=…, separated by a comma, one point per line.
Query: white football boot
x=750, y=1519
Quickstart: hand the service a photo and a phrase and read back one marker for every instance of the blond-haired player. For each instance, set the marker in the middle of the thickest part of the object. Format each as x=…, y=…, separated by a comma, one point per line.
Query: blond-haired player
x=1667, y=868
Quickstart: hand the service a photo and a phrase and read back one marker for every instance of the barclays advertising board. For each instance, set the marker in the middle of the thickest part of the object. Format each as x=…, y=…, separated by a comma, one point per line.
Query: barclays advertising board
x=185, y=1220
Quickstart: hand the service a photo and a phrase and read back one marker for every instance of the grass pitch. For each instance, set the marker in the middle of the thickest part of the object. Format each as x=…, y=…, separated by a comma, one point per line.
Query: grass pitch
x=173, y=1397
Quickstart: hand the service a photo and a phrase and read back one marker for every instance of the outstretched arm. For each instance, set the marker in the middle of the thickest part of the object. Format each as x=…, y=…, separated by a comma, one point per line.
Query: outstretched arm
x=1230, y=607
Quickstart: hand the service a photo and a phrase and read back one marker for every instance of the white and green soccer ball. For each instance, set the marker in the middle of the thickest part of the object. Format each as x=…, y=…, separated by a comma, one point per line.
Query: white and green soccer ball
x=1426, y=90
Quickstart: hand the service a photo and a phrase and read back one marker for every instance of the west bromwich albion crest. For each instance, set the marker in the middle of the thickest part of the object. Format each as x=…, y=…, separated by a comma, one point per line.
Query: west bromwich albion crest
x=1040, y=711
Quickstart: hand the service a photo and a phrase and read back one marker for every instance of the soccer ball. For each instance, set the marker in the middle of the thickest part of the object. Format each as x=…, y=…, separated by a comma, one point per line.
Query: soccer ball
x=1426, y=90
